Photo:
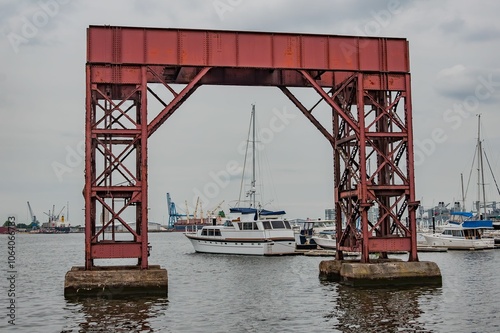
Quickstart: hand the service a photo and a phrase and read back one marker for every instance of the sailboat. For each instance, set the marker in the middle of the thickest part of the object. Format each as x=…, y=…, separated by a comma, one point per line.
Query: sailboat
x=248, y=230
x=464, y=231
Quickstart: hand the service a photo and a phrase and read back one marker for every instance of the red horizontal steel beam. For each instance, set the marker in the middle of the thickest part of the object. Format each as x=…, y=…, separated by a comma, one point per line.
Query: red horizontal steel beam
x=395, y=188
x=123, y=188
x=349, y=248
x=129, y=75
x=116, y=250
x=127, y=132
x=244, y=49
x=386, y=135
x=389, y=244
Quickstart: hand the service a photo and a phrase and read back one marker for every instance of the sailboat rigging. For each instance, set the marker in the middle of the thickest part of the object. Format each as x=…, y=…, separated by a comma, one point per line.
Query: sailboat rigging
x=251, y=193
x=463, y=230
x=479, y=153
x=248, y=230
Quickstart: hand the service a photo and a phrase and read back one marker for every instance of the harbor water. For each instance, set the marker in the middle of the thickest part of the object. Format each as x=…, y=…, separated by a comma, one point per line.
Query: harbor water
x=224, y=293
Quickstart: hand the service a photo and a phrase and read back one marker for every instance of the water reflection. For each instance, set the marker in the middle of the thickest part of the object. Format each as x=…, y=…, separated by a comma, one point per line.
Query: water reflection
x=380, y=309
x=116, y=314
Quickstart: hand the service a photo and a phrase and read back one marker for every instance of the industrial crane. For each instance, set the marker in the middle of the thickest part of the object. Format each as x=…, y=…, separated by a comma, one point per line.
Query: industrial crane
x=52, y=216
x=34, y=221
x=173, y=216
x=195, y=214
x=58, y=215
x=187, y=210
x=212, y=212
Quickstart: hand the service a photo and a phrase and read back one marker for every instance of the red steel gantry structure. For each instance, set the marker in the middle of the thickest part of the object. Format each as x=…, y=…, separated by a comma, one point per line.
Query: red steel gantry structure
x=364, y=80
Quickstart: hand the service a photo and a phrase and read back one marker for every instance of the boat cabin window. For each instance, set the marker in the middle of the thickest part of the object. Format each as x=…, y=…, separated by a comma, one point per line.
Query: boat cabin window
x=249, y=226
x=472, y=234
x=210, y=232
x=278, y=224
x=454, y=233
x=266, y=224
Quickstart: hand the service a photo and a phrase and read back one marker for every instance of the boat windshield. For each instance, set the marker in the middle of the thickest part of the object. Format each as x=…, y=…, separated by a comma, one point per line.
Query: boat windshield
x=459, y=217
x=454, y=233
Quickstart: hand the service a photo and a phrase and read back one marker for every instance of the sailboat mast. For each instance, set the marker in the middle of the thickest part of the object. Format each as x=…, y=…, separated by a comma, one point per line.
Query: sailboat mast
x=253, y=156
x=480, y=161
x=463, y=195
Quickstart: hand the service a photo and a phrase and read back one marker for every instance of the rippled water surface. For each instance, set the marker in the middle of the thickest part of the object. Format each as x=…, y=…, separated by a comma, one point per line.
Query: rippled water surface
x=221, y=293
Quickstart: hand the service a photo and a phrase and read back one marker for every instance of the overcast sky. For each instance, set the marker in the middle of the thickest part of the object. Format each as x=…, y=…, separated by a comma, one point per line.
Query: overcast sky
x=454, y=52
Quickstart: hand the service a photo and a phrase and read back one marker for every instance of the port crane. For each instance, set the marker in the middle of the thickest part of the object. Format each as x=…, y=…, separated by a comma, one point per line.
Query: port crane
x=34, y=221
x=195, y=214
x=213, y=211
x=52, y=216
x=173, y=216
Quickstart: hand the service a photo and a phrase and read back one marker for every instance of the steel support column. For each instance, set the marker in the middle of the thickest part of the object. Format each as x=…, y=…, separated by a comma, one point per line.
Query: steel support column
x=116, y=173
x=372, y=203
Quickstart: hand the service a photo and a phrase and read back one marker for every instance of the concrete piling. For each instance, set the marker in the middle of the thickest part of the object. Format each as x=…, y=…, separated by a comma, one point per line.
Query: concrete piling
x=381, y=272
x=116, y=281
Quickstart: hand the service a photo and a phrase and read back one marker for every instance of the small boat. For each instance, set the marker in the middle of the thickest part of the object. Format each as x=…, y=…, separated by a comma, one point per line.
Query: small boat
x=462, y=232
x=313, y=227
x=326, y=240
x=248, y=232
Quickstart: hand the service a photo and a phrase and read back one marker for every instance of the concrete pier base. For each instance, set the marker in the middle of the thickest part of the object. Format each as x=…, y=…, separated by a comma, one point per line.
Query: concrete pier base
x=116, y=281
x=381, y=272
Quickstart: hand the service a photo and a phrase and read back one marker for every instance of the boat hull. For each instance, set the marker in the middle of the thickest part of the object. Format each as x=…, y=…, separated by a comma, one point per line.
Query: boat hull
x=455, y=243
x=262, y=247
x=7, y=230
x=325, y=243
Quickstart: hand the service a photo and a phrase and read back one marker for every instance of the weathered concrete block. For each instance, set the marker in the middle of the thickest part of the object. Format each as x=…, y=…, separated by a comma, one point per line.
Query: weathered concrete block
x=116, y=281
x=381, y=272
x=330, y=270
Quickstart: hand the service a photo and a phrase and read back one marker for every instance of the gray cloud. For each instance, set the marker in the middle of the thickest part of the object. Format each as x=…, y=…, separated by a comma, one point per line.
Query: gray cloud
x=459, y=82
x=453, y=26
x=483, y=34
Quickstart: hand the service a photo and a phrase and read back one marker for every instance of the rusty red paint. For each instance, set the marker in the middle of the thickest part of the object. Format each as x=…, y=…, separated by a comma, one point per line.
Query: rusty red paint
x=370, y=97
x=188, y=47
